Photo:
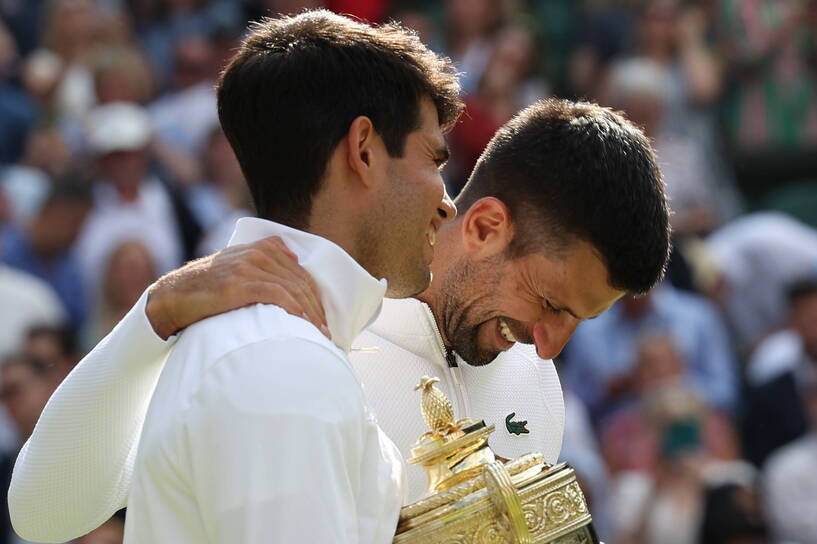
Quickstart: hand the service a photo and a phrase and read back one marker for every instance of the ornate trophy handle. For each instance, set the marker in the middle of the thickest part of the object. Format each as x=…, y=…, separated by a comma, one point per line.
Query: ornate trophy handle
x=506, y=501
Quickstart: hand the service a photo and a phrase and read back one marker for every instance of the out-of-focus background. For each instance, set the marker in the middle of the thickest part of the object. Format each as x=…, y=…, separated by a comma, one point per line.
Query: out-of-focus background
x=690, y=412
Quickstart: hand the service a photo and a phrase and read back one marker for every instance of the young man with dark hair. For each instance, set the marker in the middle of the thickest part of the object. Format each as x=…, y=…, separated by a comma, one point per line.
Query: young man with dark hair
x=258, y=429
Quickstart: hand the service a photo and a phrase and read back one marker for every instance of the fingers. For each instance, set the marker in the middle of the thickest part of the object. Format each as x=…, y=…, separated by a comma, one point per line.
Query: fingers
x=292, y=299
x=278, y=266
x=265, y=272
x=292, y=274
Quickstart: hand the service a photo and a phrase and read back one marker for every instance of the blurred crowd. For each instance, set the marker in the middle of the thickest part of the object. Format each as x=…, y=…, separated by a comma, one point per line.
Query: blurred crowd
x=691, y=412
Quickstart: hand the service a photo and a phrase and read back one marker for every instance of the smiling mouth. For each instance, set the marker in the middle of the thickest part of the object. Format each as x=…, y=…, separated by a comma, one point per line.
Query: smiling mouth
x=505, y=331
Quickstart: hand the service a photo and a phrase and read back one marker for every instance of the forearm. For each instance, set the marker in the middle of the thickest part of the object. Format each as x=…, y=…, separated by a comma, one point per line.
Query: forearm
x=75, y=470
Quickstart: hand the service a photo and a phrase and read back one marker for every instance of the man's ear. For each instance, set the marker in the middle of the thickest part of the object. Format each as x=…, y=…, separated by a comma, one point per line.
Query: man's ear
x=361, y=143
x=487, y=228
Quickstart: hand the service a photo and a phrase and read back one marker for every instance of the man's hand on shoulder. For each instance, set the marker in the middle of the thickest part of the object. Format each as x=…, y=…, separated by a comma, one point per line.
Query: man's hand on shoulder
x=265, y=272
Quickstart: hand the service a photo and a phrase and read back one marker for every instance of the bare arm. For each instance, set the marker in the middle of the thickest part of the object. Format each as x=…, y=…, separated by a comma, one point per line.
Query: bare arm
x=75, y=470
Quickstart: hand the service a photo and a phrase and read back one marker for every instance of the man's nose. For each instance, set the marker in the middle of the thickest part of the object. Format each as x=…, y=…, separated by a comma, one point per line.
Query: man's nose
x=551, y=339
x=447, y=210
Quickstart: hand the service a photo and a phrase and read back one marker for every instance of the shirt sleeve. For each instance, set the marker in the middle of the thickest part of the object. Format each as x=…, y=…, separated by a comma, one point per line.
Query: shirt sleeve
x=75, y=470
x=276, y=449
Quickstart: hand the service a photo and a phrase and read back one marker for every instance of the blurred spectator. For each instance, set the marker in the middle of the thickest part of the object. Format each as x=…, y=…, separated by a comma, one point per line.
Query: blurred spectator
x=790, y=481
x=667, y=504
x=28, y=183
x=780, y=368
x=24, y=19
x=606, y=31
x=733, y=515
x=771, y=45
x=129, y=271
x=55, y=346
x=26, y=301
x=57, y=74
x=470, y=25
x=121, y=74
x=183, y=117
x=130, y=203
x=757, y=257
x=161, y=25
x=630, y=437
x=24, y=189
x=675, y=79
x=672, y=34
x=639, y=87
x=222, y=198
x=601, y=358
x=508, y=84
x=44, y=247
x=26, y=384
x=17, y=110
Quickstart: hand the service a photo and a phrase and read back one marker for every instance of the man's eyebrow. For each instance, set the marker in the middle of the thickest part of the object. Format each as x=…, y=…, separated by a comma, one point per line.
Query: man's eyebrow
x=573, y=314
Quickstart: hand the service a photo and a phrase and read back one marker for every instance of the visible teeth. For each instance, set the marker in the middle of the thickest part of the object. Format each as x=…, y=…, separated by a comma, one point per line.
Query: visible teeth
x=505, y=331
x=432, y=237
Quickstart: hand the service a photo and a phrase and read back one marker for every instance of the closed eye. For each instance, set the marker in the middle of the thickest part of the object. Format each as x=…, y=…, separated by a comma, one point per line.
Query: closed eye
x=551, y=308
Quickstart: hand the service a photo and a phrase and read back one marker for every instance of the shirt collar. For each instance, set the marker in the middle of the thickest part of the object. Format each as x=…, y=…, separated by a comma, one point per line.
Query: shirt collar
x=351, y=297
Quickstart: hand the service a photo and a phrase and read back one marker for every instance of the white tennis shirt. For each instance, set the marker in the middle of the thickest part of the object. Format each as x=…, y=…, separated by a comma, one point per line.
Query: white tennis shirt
x=258, y=430
x=77, y=468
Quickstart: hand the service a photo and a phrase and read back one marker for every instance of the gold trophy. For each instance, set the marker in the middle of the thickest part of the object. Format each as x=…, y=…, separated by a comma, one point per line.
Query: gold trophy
x=473, y=498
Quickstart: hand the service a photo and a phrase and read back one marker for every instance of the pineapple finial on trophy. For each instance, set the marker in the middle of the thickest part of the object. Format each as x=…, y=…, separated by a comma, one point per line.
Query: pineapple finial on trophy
x=437, y=410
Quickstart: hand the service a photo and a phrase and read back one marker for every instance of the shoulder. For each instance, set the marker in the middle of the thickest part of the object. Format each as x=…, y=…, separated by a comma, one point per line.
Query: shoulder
x=273, y=373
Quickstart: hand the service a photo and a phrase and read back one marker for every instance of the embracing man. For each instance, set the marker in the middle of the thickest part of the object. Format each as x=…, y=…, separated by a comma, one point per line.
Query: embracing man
x=258, y=429
x=564, y=213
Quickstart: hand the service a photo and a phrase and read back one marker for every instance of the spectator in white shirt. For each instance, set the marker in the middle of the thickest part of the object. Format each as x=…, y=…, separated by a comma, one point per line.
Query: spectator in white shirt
x=790, y=483
x=129, y=202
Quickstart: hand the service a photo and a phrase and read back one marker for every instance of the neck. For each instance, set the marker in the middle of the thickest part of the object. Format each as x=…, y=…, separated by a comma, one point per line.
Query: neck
x=329, y=219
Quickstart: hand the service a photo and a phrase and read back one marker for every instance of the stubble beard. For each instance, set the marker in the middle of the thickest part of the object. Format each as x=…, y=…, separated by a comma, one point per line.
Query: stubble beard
x=461, y=305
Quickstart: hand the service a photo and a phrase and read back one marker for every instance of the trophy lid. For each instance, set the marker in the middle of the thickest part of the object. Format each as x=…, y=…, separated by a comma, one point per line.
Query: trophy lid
x=451, y=451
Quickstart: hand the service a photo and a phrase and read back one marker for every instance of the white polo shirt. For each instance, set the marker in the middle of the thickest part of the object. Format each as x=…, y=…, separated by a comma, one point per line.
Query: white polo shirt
x=93, y=421
x=258, y=430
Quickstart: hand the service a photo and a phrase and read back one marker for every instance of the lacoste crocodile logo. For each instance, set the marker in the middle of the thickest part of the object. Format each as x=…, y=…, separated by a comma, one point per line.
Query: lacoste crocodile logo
x=515, y=427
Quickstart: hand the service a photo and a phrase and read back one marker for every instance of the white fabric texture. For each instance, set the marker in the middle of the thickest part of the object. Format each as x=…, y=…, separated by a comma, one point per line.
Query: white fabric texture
x=75, y=470
x=88, y=428
x=258, y=429
x=404, y=344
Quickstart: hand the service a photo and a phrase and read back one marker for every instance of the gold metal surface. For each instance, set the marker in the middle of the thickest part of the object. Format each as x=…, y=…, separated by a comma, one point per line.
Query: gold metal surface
x=475, y=499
